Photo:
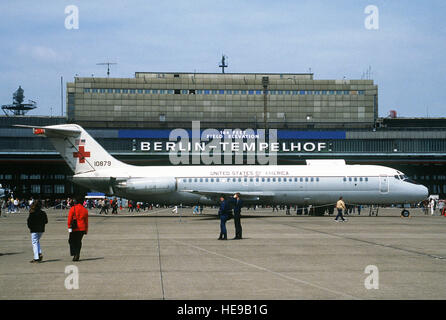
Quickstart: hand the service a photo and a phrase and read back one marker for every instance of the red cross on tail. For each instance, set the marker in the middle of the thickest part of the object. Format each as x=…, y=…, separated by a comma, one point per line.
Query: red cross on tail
x=81, y=154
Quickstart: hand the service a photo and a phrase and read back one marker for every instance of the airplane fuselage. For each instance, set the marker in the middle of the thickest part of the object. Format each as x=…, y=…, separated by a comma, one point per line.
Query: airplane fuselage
x=289, y=185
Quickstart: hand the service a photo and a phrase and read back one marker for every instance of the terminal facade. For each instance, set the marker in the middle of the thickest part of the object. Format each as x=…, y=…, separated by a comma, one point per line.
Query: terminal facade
x=133, y=119
x=173, y=100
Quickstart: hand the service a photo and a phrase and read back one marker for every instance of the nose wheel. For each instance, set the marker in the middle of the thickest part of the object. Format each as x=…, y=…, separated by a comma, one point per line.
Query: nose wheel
x=405, y=213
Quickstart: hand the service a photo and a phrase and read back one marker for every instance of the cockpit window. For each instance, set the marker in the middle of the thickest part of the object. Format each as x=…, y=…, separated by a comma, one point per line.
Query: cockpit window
x=405, y=178
x=401, y=177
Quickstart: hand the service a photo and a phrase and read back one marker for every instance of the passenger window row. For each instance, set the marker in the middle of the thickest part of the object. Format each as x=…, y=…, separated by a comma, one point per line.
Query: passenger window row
x=355, y=179
x=257, y=179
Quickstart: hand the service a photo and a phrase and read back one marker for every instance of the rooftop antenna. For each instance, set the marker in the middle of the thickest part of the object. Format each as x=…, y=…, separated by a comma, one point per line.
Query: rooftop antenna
x=223, y=65
x=108, y=66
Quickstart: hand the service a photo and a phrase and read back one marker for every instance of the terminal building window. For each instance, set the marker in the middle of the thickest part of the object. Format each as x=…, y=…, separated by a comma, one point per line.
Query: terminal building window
x=59, y=188
x=231, y=92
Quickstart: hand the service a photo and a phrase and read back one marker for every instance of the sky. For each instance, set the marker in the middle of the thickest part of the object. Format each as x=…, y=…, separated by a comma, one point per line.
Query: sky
x=402, y=42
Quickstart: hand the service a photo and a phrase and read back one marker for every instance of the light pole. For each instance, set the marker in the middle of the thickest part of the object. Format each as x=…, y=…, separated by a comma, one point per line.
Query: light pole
x=265, y=82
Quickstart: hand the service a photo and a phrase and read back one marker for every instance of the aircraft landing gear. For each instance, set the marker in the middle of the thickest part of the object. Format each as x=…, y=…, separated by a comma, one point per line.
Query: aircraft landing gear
x=405, y=213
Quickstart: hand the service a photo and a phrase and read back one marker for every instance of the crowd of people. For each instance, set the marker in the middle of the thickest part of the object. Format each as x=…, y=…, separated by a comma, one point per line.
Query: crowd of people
x=433, y=205
x=103, y=205
x=15, y=205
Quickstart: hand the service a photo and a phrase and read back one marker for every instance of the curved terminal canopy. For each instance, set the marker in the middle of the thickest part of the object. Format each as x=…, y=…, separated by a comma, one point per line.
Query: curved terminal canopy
x=337, y=162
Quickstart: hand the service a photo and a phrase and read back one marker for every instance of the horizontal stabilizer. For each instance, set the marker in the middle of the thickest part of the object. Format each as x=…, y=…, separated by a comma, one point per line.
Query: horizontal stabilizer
x=51, y=131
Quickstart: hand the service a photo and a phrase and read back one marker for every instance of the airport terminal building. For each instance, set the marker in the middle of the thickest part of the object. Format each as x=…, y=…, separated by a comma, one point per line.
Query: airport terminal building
x=134, y=119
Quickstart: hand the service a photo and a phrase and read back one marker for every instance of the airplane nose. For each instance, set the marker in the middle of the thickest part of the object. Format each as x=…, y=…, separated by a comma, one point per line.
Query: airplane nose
x=424, y=192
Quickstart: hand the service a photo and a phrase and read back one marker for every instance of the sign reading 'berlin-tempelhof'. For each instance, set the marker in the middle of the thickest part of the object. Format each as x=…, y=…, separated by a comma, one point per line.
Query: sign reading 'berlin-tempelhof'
x=170, y=146
x=211, y=145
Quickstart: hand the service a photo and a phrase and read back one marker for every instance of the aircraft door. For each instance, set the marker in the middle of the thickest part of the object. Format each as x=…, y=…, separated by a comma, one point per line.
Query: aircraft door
x=383, y=184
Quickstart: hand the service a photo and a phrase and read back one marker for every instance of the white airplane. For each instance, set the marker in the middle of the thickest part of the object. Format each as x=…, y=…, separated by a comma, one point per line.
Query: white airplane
x=319, y=183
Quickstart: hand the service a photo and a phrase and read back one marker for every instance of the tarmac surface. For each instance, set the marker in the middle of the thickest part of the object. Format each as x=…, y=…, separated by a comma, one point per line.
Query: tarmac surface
x=158, y=255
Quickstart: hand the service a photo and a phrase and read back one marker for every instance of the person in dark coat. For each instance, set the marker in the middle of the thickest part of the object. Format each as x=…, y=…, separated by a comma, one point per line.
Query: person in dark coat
x=223, y=213
x=237, y=206
x=37, y=220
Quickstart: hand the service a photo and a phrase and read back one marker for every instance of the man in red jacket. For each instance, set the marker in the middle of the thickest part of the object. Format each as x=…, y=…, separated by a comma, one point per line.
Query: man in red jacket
x=77, y=227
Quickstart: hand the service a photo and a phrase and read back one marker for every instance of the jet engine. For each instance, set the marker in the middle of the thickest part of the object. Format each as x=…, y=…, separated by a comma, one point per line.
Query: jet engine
x=143, y=186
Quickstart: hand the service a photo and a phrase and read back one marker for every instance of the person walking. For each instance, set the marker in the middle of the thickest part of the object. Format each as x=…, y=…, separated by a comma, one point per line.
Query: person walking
x=77, y=229
x=104, y=207
x=432, y=206
x=223, y=213
x=340, y=205
x=37, y=220
x=237, y=205
x=114, y=206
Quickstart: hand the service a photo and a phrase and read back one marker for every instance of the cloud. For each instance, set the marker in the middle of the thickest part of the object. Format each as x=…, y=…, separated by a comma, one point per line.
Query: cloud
x=41, y=53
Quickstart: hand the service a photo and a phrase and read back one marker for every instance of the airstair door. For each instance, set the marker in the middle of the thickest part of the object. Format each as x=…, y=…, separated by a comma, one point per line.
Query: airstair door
x=383, y=184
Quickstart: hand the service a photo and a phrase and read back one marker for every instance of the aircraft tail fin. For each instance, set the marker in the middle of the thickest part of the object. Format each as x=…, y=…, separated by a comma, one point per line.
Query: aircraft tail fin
x=81, y=152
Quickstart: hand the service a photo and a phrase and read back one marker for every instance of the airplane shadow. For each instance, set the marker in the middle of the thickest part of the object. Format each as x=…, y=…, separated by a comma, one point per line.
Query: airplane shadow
x=202, y=216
